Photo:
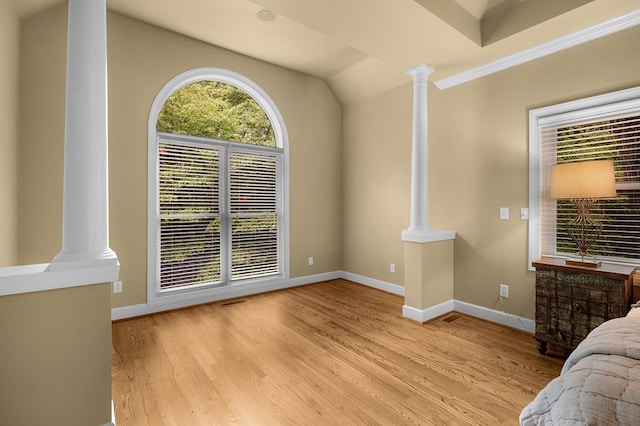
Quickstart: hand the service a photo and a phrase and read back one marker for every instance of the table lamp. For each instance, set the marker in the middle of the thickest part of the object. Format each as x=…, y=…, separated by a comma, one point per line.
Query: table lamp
x=583, y=182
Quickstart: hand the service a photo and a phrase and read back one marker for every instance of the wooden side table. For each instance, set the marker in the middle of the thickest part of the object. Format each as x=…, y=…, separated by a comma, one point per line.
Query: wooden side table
x=572, y=300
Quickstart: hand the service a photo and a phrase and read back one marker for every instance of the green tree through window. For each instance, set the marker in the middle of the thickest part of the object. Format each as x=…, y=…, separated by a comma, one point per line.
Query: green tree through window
x=215, y=110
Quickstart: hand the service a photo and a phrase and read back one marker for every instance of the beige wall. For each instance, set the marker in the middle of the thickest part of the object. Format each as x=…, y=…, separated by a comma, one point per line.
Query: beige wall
x=42, y=99
x=142, y=59
x=478, y=162
x=9, y=59
x=56, y=357
x=376, y=185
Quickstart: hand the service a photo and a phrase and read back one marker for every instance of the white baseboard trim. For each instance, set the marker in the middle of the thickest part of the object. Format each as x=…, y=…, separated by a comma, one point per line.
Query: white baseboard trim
x=224, y=293
x=492, y=315
x=419, y=315
x=481, y=312
x=370, y=282
x=113, y=416
x=423, y=315
x=431, y=312
x=129, y=311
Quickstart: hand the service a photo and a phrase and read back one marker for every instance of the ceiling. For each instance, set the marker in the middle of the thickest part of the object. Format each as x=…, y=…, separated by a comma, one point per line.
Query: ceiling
x=364, y=47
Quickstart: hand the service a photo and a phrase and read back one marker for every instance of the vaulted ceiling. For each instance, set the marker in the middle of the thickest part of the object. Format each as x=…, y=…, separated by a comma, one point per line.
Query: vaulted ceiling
x=364, y=47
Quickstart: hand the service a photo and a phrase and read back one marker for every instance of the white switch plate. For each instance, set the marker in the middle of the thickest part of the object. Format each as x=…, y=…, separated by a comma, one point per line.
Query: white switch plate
x=117, y=286
x=524, y=213
x=310, y=260
x=504, y=213
x=392, y=268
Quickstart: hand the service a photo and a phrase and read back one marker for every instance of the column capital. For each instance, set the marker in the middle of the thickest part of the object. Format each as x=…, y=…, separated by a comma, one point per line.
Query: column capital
x=419, y=73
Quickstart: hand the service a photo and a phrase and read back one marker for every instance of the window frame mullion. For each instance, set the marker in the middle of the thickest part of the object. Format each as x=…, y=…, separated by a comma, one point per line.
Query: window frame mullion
x=225, y=218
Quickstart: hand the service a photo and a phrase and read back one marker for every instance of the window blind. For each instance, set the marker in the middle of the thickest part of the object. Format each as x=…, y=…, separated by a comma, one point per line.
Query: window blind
x=189, y=214
x=610, y=137
x=220, y=211
x=254, y=215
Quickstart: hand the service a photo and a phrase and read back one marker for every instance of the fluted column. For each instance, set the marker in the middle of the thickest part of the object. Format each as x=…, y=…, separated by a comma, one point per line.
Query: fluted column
x=85, y=221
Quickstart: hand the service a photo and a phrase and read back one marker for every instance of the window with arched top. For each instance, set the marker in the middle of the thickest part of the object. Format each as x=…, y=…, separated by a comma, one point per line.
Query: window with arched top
x=217, y=184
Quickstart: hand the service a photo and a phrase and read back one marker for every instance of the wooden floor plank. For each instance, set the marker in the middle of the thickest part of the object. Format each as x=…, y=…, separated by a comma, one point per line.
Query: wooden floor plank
x=329, y=353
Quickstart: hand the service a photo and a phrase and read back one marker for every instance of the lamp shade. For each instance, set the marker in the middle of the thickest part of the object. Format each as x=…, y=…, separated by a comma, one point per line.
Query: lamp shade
x=583, y=179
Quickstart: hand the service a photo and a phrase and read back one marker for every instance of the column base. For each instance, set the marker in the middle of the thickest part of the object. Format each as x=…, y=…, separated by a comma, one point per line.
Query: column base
x=65, y=261
x=428, y=279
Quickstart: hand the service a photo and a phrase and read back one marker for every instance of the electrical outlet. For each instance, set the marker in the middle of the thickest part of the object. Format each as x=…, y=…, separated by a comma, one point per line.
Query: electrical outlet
x=117, y=286
x=392, y=268
x=504, y=213
x=310, y=260
x=504, y=290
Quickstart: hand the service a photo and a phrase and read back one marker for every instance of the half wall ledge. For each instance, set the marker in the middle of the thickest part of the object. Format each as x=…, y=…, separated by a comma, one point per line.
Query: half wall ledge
x=40, y=277
x=427, y=236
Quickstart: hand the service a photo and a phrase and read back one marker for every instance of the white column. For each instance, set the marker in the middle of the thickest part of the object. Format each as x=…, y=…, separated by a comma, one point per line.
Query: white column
x=419, y=230
x=85, y=214
x=420, y=150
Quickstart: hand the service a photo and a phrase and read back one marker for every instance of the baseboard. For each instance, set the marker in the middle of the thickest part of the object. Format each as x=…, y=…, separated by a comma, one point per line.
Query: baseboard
x=423, y=315
x=113, y=416
x=492, y=315
x=229, y=292
x=419, y=315
x=130, y=311
x=370, y=282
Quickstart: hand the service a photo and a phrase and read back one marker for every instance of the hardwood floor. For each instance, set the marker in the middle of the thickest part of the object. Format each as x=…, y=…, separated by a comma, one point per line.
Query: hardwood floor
x=322, y=354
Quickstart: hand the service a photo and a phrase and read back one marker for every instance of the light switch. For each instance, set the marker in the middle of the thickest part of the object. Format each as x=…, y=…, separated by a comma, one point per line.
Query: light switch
x=524, y=213
x=504, y=213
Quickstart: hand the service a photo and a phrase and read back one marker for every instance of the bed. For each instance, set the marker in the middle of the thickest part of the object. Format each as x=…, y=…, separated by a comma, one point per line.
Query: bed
x=599, y=383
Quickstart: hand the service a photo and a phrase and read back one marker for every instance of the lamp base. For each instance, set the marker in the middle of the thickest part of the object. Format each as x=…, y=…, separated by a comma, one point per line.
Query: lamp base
x=588, y=262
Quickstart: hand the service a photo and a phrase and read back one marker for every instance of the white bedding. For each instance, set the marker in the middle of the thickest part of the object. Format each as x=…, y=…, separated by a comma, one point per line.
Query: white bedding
x=599, y=383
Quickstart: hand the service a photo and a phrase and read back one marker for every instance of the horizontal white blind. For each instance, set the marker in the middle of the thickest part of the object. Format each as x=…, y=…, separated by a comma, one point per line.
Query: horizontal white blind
x=253, y=199
x=189, y=207
x=613, y=137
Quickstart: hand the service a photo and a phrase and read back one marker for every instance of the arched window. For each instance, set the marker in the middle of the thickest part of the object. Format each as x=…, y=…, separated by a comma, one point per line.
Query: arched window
x=217, y=179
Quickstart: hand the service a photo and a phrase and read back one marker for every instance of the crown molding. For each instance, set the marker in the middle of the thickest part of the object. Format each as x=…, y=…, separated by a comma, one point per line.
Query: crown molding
x=594, y=32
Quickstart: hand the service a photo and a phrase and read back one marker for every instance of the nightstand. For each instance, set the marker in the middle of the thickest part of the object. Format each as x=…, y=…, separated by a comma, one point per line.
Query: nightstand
x=572, y=300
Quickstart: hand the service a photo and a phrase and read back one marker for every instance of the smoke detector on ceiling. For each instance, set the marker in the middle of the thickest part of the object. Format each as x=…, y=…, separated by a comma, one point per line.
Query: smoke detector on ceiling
x=266, y=15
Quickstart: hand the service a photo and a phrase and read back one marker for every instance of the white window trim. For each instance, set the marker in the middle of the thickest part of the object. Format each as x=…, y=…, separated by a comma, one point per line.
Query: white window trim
x=610, y=103
x=201, y=295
